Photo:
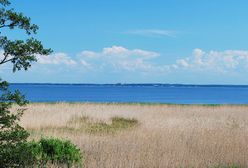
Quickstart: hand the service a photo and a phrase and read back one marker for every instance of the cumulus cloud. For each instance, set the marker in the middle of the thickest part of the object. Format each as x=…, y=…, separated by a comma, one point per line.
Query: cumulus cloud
x=121, y=58
x=56, y=59
x=89, y=54
x=85, y=64
x=182, y=63
x=120, y=52
x=115, y=58
x=219, y=61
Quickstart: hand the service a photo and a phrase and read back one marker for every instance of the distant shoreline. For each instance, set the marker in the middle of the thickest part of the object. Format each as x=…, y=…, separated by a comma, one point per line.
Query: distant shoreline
x=135, y=84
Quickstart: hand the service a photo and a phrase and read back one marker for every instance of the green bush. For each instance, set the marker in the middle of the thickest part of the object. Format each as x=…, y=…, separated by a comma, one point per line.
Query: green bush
x=22, y=155
x=59, y=152
x=45, y=153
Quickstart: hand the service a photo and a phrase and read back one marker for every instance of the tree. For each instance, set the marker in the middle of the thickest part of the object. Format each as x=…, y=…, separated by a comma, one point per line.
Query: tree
x=20, y=54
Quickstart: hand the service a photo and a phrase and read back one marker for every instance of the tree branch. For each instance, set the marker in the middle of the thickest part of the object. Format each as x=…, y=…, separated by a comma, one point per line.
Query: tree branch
x=10, y=25
x=5, y=61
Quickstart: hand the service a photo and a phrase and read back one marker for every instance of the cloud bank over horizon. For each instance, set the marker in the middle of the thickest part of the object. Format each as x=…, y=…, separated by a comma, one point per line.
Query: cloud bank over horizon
x=118, y=62
x=121, y=58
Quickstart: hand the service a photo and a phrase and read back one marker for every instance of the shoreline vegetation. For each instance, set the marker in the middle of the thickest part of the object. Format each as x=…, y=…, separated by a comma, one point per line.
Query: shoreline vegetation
x=146, y=134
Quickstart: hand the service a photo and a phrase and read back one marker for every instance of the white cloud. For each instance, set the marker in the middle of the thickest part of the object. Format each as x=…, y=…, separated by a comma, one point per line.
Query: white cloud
x=113, y=59
x=89, y=54
x=115, y=51
x=153, y=32
x=57, y=58
x=85, y=64
x=121, y=58
x=219, y=61
x=1, y=55
x=119, y=52
x=198, y=52
x=182, y=62
x=145, y=54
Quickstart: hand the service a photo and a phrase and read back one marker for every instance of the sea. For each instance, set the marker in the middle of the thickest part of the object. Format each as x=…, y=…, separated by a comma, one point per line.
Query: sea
x=135, y=93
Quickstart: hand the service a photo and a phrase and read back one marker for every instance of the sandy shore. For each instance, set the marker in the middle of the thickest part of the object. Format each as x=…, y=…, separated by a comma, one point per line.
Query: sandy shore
x=165, y=136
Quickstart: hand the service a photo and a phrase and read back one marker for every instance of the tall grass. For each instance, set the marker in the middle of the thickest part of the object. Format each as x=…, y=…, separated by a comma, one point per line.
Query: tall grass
x=162, y=136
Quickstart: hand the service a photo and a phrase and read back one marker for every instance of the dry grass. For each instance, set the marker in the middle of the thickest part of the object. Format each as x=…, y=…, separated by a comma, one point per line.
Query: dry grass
x=166, y=136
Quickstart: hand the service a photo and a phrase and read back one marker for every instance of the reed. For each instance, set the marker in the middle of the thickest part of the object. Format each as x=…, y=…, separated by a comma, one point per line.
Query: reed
x=159, y=135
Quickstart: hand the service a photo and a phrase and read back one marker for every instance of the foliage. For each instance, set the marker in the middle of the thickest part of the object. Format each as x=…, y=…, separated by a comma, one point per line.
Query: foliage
x=19, y=53
x=12, y=134
x=45, y=153
x=59, y=152
x=24, y=155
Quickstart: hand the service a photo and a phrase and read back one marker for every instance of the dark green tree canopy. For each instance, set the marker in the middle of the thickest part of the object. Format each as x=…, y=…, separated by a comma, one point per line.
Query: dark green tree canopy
x=19, y=52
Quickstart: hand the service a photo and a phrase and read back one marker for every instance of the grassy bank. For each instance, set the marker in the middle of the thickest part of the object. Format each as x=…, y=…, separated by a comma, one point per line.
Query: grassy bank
x=146, y=135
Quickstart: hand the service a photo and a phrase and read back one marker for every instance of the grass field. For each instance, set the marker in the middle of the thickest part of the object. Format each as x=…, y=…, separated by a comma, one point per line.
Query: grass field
x=146, y=135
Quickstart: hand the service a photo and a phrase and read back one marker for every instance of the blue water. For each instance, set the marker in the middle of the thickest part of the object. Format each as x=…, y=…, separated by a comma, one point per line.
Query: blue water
x=146, y=93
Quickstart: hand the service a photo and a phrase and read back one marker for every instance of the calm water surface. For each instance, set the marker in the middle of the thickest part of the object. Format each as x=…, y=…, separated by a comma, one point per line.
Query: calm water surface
x=146, y=93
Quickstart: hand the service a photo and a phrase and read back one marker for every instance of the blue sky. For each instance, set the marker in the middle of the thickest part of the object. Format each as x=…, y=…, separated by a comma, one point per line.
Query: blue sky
x=138, y=41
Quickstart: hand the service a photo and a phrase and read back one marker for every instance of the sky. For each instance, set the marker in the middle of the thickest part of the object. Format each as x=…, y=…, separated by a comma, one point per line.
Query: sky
x=137, y=41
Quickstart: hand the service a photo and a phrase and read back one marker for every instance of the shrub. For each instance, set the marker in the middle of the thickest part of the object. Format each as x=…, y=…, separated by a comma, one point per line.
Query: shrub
x=59, y=152
x=47, y=152
x=22, y=155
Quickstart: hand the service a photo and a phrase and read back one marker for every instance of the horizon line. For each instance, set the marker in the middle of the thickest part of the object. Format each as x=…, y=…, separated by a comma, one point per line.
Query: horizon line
x=119, y=83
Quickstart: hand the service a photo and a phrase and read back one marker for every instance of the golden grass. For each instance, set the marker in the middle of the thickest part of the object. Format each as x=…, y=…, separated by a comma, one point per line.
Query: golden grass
x=166, y=136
